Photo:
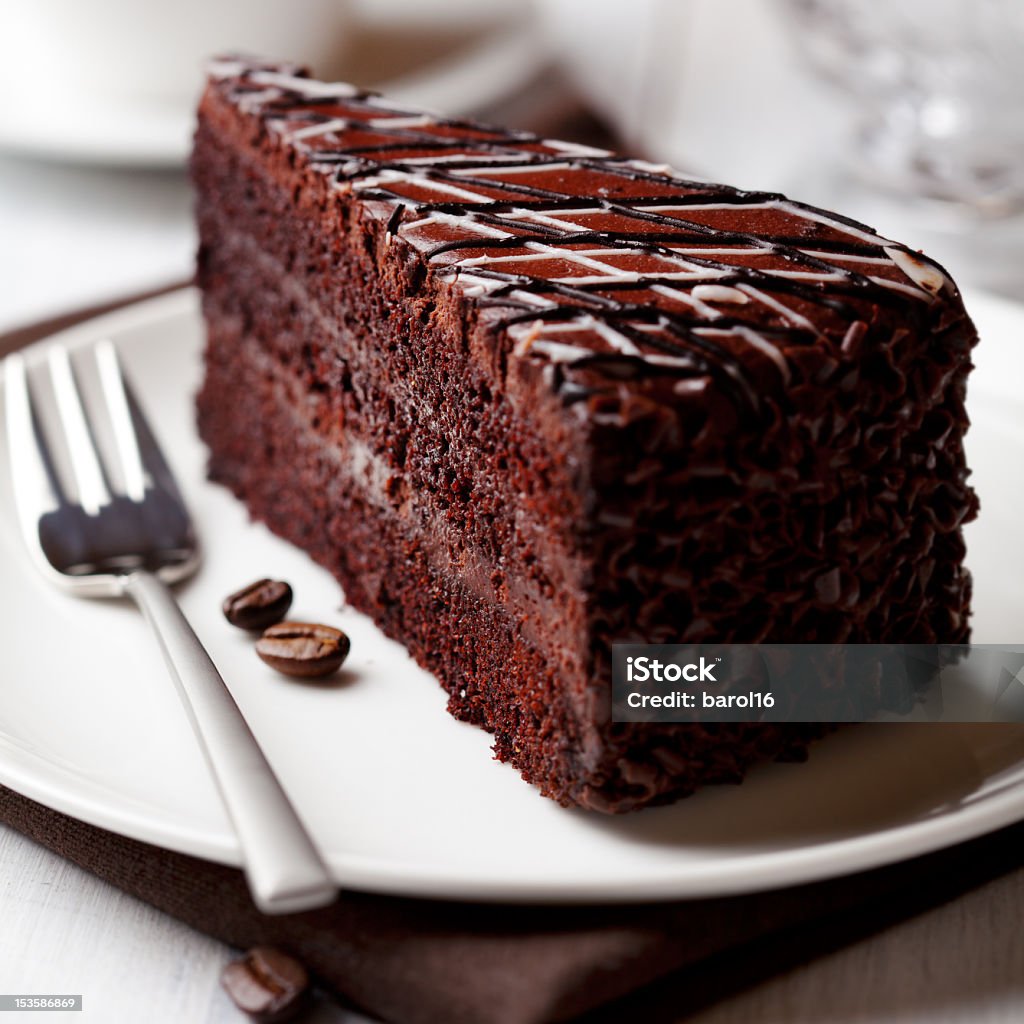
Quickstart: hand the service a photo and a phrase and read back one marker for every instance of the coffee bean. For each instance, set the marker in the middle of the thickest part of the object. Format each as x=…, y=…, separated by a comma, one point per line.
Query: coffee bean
x=303, y=649
x=258, y=605
x=267, y=984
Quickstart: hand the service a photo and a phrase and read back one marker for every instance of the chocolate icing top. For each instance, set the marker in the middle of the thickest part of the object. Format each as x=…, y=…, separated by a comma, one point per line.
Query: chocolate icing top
x=591, y=259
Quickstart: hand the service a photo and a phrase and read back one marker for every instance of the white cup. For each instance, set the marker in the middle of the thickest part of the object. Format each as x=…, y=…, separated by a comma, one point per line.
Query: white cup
x=150, y=52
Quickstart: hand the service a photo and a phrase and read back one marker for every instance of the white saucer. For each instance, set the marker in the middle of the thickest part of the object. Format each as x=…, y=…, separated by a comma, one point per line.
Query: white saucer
x=466, y=75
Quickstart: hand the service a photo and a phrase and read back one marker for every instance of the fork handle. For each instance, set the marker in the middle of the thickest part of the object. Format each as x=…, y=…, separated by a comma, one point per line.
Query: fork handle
x=284, y=871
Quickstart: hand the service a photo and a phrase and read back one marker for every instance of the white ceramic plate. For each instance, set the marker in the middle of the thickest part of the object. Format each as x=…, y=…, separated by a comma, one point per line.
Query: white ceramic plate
x=404, y=799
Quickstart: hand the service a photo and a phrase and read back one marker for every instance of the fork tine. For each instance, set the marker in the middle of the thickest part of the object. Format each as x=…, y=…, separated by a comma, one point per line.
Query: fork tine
x=113, y=386
x=149, y=448
x=85, y=465
x=36, y=490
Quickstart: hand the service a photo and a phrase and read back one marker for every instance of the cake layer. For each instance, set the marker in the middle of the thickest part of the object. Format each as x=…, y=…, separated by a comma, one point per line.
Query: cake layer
x=526, y=399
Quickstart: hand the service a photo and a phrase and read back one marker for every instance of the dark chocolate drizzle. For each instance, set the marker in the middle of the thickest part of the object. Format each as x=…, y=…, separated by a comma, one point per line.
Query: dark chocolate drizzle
x=434, y=153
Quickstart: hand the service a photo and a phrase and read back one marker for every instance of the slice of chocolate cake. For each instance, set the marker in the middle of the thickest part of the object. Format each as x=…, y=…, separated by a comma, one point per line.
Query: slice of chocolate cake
x=525, y=398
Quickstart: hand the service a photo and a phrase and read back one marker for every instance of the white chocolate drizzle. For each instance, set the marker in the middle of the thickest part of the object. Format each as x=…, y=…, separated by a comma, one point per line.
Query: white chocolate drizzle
x=626, y=270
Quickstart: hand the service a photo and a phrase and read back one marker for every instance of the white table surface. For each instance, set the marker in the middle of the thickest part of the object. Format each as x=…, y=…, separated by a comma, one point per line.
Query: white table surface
x=64, y=931
x=76, y=236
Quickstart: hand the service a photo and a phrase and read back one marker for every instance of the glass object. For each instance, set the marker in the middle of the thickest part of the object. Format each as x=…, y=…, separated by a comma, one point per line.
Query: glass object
x=939, y=87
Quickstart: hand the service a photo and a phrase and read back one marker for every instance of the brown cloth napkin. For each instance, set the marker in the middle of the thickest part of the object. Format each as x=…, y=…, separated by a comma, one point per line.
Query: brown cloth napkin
x=412, y=961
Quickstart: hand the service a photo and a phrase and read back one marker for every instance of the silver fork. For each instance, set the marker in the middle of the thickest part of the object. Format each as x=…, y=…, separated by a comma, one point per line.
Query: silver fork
x=114, y=525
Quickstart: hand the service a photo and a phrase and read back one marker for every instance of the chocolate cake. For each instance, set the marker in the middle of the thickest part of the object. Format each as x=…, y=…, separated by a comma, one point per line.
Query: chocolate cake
x=526, y=398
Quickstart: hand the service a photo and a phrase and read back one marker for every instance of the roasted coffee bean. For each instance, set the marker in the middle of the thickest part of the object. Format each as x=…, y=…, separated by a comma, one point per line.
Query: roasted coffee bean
x=258, y=605
x=267, y=984
x=303, y=649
